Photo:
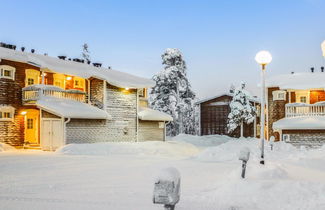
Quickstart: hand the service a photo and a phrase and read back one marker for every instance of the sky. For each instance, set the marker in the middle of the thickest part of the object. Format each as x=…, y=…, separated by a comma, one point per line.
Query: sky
x=218, y=39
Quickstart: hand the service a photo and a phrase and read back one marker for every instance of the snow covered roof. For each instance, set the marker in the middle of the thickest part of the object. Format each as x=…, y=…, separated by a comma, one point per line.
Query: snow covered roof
x=71, y=109
x=223, y=94
x=52, y=64
x=154, y=115
x=298, y=123
x=299, y=81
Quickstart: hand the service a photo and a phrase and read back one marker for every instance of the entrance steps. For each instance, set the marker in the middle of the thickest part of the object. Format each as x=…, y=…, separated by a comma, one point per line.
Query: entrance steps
x=32, y=146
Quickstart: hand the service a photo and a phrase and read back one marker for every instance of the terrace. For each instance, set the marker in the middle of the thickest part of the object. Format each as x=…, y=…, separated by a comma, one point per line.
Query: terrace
x=33, y=93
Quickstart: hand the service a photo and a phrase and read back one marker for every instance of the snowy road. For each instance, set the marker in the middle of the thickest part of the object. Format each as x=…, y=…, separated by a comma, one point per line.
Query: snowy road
x=44, y=180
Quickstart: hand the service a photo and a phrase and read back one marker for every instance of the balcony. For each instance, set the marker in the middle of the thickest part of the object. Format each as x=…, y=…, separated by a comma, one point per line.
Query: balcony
x=305, y=110
x=34, y=92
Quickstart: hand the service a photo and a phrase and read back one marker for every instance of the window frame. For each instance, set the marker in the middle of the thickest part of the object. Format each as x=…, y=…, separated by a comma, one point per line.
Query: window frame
x=7, y=109
x=4, y=68
x=276, y=95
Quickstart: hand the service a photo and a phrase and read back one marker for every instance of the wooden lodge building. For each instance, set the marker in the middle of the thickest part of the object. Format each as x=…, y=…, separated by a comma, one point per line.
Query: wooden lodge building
x=214, y=113
x=295, y=110
x=47, y=102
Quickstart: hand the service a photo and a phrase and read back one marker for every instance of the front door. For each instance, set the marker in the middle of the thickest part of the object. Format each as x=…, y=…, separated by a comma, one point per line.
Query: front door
x=31, y=126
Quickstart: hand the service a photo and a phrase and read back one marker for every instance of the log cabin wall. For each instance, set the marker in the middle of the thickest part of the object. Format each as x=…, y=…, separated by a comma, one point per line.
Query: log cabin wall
x=275, y=111
x=317, y=96
x=214, y=118
x=12, y=132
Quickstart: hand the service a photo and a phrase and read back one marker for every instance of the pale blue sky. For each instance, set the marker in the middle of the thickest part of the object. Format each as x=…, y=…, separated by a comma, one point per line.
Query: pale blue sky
x=219, y=39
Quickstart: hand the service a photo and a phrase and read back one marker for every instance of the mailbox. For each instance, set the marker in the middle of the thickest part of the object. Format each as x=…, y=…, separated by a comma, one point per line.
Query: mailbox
x=167, y=188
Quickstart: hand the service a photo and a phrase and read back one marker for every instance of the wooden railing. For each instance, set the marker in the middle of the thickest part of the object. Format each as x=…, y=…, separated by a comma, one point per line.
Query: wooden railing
x=30, y=96
x=300, y=109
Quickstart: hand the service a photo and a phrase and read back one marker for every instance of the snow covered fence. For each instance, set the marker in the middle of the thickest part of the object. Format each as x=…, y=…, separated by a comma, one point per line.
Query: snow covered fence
x=167, y=188
x=244, y=156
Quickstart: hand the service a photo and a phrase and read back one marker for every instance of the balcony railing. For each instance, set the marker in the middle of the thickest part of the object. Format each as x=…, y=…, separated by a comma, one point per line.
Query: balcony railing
x=301, y=109
x=34, y=93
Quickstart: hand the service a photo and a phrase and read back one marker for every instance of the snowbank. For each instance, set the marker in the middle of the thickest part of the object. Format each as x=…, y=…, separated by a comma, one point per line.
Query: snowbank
x=5, y=147
x=229, y=151
x=152, y=148
x=201, y=141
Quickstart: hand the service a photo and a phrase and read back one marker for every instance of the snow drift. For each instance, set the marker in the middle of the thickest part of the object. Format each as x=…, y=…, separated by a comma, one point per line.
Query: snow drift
x=5, y=147
x=153, y=148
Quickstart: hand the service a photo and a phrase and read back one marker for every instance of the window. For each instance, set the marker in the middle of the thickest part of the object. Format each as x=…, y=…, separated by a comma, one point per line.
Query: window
x=30, y=81
x=7, y=113
x=78, y=82
x=303, y=99
x=141, y=92
x=302, y=96
x=7, y=72
x=32, y=77
x=30, y=123
x=279, y=95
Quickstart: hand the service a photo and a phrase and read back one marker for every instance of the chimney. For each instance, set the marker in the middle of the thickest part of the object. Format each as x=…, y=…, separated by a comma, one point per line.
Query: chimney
x=97, y=64
x=8, y=46
x=32, y=50
x=22, y=49
x=312, y=69
x=322, y=68
x=62, y=57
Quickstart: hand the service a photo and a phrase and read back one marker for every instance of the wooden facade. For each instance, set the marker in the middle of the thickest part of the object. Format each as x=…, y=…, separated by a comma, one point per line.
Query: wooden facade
x=214, y=117
x=26, y=126
x=297, y=103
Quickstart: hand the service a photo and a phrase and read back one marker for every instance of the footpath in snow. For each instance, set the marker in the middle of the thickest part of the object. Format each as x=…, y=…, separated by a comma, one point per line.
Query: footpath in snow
x=121, y=175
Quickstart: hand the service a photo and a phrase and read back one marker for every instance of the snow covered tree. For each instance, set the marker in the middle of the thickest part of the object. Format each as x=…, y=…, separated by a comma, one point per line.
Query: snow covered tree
x=85, y=53
x=242, y=111
x=172, y=93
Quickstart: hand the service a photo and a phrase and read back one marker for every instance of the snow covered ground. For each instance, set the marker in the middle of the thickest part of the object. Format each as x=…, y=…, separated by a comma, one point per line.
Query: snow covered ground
x=121, y=176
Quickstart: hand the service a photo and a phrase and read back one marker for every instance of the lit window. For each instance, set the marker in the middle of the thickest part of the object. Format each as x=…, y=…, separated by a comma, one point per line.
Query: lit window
x=7, y=113
x=30, y=123
x=78, y=82
x=30, y=81
x=32, y=77
x=303, y=99
x=7, y=72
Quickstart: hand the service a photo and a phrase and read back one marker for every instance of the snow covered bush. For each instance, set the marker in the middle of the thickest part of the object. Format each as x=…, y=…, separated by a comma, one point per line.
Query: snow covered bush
x=172, y=93
x=85, y=53
x=242, y=110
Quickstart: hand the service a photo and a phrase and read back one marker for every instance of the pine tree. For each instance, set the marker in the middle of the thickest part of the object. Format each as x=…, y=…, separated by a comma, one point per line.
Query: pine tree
x=86, y=53
x=242, y=111
x=172, y=93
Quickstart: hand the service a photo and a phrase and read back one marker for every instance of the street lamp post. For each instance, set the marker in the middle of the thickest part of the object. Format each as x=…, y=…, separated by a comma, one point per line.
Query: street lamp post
x=263, y=58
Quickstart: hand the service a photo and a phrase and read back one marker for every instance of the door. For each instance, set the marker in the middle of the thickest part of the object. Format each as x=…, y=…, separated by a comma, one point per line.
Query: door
x=31, y=126
x=52, y=134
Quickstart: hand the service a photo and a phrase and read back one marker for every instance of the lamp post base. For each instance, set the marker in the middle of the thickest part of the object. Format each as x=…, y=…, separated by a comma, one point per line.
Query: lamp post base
x=262, y=162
